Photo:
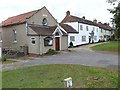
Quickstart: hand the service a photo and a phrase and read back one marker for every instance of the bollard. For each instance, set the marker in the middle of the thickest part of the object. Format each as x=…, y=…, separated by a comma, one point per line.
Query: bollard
x=68, y=82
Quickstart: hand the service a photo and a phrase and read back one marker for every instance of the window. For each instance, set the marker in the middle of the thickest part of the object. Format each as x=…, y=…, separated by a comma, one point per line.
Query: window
x=14, y=36
x=93, y=29
x=87, y=28
x=95, y=38
x=33, y=40
x=57, y=34
x=96, y=29
x=83, y=38
x=48, y=41
x=0, y=36
x=72, y=38
x=101, y=31
x=81, y=27
x=44, y=22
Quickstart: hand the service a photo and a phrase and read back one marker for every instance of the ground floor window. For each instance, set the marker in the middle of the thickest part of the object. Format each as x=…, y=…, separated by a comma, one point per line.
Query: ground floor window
x=0, y=37
x=83, y=38
x=72, y=38
x=95, y=38
x=48, y=41
x=33, y=40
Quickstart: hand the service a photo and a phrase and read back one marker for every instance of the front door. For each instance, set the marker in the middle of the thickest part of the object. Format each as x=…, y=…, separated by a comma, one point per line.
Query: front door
x=57, y=43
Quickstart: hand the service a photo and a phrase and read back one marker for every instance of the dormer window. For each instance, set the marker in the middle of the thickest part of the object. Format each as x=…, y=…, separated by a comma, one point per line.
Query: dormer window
x=45, y=22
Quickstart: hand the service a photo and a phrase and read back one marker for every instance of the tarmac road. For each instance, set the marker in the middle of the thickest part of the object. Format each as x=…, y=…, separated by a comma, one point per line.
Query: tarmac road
x=80, y=55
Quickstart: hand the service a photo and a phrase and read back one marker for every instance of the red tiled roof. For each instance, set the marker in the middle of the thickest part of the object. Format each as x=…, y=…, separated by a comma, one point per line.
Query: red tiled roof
x=68, y=28
x=18, y=19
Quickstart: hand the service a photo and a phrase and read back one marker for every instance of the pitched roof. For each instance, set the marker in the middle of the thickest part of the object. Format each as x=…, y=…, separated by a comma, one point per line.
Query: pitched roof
x=70, y=18
x=19, y=18
x=43, y=30
x=104, y=26
x=68, y=28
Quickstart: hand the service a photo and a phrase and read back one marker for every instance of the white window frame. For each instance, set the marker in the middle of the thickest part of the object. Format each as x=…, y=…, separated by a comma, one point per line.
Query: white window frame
x=14, y=36
x=33, y=39
x=87, y=28
x=72, y=38
x=0, y=36
x=83, y=39
x=81, y=27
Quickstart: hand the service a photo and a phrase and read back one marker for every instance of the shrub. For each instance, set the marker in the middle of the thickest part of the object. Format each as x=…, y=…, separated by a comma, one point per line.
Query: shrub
x=51, y=52
x=3, y=59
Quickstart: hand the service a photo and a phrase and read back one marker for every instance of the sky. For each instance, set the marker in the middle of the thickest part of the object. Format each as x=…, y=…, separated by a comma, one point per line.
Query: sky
x=91, y=9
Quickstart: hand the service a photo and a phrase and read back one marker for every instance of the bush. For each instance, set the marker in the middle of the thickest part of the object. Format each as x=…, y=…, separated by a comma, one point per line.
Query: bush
x=51, y=52
x=3, y=59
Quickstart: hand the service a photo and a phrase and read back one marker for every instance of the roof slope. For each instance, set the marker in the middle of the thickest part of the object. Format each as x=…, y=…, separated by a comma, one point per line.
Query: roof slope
x=71, y=18
x=42, y=30
x=19, y=18
x=68, y=28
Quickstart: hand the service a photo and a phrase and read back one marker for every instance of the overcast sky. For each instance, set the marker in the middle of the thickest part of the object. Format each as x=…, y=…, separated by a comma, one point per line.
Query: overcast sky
x=91, y=9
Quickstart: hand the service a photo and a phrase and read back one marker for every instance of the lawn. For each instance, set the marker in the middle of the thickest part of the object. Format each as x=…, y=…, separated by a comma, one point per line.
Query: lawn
x=112, y=46
x=52, y=76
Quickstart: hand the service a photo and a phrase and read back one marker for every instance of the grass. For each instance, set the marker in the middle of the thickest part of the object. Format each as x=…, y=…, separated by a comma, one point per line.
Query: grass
x=112, y=46
x=52, y=76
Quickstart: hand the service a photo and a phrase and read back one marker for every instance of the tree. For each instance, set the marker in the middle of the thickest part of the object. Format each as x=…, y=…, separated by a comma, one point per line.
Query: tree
x=116, y=18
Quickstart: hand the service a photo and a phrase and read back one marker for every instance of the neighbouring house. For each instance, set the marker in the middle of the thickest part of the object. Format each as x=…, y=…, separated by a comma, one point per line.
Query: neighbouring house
x=38, y=30
x=88, y=31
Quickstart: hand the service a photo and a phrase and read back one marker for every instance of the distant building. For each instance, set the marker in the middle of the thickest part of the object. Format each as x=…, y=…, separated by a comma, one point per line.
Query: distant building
x=88, y=31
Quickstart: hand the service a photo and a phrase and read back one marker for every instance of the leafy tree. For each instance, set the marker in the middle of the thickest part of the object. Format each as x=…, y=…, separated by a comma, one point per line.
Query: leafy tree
x=116, y=18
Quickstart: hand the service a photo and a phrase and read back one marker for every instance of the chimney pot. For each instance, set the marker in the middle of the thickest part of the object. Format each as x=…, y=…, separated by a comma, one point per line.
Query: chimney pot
x=83, y=17
x=67, y=13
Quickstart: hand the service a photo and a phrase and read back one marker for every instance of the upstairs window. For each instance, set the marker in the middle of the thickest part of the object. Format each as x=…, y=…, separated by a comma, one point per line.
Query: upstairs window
x=81, y=27
x=87, y=28
x=14, y=36
x=45, y=22
x=48, y=41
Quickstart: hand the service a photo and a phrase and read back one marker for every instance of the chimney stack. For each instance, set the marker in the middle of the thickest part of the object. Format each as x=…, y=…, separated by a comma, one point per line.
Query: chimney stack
x=95, y=20
x=83, y=17
x=68, y=13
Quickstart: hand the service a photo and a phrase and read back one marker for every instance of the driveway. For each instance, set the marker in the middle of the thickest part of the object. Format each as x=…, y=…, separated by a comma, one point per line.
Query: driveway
x=80, y=55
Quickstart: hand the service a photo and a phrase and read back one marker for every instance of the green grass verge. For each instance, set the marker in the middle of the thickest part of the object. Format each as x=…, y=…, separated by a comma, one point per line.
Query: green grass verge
x=112, y=46
x=52, y=76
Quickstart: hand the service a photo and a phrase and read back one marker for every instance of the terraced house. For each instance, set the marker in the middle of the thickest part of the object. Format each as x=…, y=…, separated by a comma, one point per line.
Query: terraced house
x=38, y=30
x=88, y=31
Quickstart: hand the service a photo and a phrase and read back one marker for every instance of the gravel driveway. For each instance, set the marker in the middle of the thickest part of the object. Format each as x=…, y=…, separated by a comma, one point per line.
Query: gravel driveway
x=80, y=55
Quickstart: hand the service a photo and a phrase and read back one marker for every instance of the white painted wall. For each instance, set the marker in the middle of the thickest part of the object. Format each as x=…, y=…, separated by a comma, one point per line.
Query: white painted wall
x=84, y=32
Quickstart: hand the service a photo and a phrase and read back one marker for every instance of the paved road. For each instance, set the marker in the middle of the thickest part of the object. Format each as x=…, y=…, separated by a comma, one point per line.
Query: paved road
x=81, y=55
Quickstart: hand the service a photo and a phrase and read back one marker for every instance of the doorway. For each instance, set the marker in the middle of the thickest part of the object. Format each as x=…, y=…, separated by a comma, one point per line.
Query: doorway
x=57, y=43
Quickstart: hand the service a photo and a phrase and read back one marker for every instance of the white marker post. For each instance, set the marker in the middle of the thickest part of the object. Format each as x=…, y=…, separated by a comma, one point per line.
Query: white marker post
x=68, y=82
